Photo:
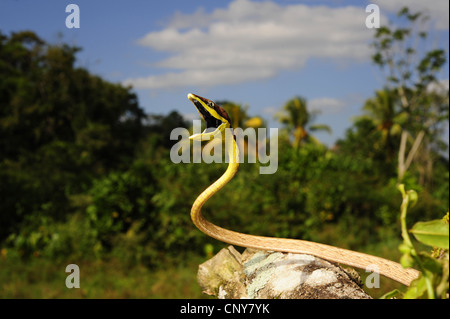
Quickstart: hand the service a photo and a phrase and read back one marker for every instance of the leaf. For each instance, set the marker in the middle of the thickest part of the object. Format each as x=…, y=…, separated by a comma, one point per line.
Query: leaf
x=432, y=233
x=405, y=248
x=403, y=11
x=406, y=260
x=417, y=289
x=413, y=197
x=432, y=264
x=390, y=294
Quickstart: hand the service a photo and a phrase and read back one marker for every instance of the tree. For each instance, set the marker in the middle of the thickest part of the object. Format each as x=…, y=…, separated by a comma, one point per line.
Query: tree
x=387, y=118
x=159, y=127
x=240, y=119
x=238, y=115
x=60, y=127
x=298, y=120
x=411, y=71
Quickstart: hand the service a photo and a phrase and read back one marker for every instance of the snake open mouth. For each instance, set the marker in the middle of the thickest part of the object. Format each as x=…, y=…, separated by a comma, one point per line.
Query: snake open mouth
x=211, y=121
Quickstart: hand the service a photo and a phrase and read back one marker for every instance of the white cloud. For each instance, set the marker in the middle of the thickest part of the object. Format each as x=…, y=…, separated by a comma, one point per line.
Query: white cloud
x=251, y=41
x=270, y=110
x=441, y=87
x=327, y=105
x=190, y=116
x=436, y=9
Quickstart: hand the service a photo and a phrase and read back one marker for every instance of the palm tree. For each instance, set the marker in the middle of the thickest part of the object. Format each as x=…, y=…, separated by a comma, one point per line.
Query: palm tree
x=382, y=111
x=296, y=117
x=240, y=119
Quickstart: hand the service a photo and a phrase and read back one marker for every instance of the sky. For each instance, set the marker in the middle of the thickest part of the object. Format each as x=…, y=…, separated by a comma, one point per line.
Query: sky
x=256, y=53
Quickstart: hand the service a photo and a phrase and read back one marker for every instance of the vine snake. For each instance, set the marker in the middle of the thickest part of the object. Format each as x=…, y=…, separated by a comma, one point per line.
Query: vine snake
x=217, y=120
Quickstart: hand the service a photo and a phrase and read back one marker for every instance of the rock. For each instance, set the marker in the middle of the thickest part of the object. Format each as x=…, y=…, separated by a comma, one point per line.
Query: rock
x=222, y=274
x=260, y=274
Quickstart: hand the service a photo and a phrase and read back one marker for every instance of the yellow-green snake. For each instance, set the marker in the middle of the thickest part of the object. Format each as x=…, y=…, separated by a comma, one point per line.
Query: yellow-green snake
x=217, y=120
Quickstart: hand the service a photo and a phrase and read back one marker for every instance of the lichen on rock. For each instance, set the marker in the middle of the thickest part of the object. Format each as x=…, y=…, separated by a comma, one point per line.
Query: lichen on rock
x=261, y=274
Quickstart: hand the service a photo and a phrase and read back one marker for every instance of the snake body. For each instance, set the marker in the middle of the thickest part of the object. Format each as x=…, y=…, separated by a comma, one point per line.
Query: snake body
x=218, y=119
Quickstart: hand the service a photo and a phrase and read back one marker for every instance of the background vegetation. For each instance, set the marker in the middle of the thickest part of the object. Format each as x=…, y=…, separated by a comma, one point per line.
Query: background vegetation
x=86, y=177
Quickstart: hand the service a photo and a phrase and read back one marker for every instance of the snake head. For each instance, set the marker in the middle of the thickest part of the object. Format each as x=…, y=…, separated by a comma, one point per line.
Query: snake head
x=216, y=118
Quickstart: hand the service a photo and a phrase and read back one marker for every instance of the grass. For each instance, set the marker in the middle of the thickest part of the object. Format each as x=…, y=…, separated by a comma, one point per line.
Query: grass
x=112, y=279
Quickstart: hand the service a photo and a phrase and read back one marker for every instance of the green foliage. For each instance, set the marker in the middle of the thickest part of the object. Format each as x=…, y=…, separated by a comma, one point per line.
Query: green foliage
x=434, y=268
x=60, y=127
x=43, y=237
x=118, y=200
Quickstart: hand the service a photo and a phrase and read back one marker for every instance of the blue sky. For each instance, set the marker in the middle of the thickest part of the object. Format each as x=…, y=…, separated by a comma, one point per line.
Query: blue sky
x=259, y=53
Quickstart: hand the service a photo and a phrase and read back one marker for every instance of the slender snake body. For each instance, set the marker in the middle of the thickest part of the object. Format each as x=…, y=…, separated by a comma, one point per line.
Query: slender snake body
x=217, y=118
